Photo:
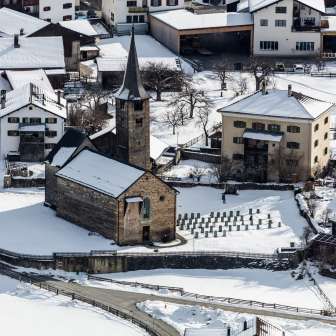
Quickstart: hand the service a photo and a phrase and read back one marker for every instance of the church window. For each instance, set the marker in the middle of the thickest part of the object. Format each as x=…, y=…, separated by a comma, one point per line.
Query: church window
x=146, y=208
x=138, y=122
x=138, y=105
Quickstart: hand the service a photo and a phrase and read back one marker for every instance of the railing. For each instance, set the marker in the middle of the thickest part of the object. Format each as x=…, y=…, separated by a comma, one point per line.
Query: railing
x=215, y=299
x=322, y=294
x=113, y=310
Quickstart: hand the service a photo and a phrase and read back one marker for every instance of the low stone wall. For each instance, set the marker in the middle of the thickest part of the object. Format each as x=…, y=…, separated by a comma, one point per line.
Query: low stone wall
x=201, y=156
x=26, y=183
x=238, y=186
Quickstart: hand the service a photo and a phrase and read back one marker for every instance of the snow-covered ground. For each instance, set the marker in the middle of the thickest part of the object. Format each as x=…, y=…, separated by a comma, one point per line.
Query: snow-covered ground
x=247, y=284
x=183, y=316
x=280, y=204
x=27, y=226
x=25, y=310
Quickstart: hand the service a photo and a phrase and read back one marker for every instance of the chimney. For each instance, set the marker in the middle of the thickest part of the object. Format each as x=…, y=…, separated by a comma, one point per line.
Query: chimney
x=263, y=88
x=333, y=229
x=290, y=92
x=21, y=31
x=59, y=97
x=16, y=41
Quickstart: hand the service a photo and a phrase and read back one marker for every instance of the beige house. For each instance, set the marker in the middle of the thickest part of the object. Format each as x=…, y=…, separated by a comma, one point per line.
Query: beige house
x=276, y=135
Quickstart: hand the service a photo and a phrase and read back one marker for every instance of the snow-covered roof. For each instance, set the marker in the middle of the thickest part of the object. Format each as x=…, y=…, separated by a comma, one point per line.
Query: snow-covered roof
x=256, y=5
x=277, y=103
x=157, y=146
x=11, y=22
x=31, y=94
x=33, y=53
x=82, y=26
x=182, y=19
x=63, y=154
x=119, y=64
x=20, y=78
x=265, y=136
x=100, y=173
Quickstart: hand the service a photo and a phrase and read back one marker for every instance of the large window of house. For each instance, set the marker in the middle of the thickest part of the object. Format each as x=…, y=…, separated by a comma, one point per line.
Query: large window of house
x=263, y=22
x=156, y=3
x=13, y=133
x=280, y=23
x=273, y=128
x=258, y=126
x=293, y=129
x=305, y=46
x=51, y=134
x=239, y=124
x=51, y=120
x=12, y=120
x=172, y=2
x=49, y=145
x=131, y=3
x=238, y=140
x=138, y=105
x=269, y=45
x=293, y=145
x=280, y=10
x=67, y=5
x=146, y=208
x=35, y=121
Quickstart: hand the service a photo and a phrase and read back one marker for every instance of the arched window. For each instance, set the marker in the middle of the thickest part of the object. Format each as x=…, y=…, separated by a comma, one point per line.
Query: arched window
x=146, y=208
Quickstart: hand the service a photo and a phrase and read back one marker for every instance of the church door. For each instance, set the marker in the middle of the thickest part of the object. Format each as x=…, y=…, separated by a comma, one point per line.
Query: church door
x=146, y=233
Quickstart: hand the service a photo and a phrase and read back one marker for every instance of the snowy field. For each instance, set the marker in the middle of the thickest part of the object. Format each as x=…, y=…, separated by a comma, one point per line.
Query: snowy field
x=280, y=204
x=27, y=226
x=184, y=317
x=247, y=284
x=25, y=310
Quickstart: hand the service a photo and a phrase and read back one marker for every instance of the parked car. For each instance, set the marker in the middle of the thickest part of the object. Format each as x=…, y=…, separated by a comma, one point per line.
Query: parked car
x=299, y=68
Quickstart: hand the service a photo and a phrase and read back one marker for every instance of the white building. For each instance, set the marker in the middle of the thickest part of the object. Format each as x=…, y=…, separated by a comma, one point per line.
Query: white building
x=57, y=10
x=31, y=120
x=121, y=14
x=287, y=27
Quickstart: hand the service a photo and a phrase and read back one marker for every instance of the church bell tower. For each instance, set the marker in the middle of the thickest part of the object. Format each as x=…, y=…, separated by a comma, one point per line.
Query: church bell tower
x=132, y=116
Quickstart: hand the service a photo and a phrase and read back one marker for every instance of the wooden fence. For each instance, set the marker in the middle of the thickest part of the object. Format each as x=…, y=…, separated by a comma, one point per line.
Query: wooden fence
x=221, y=300
x=113, y=310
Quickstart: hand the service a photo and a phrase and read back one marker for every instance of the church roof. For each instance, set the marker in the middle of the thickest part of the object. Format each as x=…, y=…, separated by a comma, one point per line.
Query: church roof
x=132, y=87
x=100, y=173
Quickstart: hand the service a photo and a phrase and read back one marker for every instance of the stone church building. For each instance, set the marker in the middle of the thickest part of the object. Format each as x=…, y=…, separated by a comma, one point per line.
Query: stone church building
x=117, y=197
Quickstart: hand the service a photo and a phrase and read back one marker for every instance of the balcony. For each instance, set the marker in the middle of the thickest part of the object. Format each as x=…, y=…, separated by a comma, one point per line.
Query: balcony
x=305, y=25
x=135, y=10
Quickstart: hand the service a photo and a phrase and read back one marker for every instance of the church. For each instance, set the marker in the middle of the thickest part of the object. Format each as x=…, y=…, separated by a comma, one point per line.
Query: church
x=118, y=197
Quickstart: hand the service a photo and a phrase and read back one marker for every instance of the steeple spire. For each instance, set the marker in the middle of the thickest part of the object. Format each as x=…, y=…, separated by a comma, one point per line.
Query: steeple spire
x=132, y=87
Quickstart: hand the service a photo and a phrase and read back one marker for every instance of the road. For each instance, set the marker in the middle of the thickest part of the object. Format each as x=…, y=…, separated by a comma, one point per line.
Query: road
x=126, y=302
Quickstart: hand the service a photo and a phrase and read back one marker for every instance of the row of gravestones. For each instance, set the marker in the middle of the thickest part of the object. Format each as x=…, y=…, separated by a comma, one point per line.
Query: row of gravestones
x=241, y=219
x=216, y=214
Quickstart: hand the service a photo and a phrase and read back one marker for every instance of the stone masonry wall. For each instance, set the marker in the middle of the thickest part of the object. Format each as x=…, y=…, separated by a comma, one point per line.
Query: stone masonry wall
x=162, y=210
x=88, y=208
x=50, y=184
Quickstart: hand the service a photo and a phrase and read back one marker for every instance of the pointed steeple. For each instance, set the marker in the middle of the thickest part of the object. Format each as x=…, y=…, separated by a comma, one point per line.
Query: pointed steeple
x=132, y=87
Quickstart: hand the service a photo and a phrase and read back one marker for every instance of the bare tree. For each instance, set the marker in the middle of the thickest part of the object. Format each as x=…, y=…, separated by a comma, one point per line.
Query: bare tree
x=197, y=172
x=221, y=70
x=159, y=77
x=89, y=113
x=306, y=234
x=260, y=71
x=202, y=118
x=172, y=118
x=191, y=97
x=223, y=170
x=240, y=86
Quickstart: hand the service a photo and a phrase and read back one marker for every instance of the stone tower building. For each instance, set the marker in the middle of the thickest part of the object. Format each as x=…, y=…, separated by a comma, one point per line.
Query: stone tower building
x=132, y=116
